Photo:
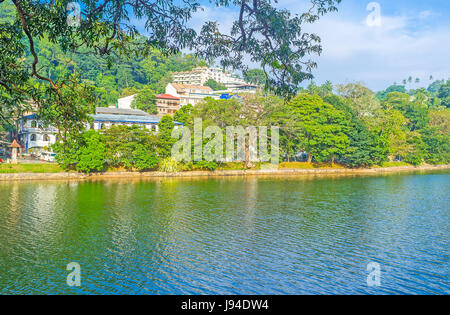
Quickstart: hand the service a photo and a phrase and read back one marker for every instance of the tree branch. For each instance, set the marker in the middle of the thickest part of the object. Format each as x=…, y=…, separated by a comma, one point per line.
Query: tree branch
x=32, y=49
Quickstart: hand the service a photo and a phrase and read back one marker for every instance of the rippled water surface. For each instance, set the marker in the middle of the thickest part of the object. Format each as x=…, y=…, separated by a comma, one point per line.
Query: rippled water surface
x=227, y=236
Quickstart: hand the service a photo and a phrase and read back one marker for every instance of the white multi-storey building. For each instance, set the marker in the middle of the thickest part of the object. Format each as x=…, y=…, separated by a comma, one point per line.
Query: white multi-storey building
x=34, y=136
x=200, y=75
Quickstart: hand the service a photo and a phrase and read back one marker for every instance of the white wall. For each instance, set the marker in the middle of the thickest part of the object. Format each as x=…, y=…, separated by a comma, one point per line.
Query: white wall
x=125, y=102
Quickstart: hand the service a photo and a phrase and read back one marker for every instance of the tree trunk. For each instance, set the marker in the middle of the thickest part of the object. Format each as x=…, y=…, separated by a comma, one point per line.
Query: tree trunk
x=248, y=163
x=309, y=158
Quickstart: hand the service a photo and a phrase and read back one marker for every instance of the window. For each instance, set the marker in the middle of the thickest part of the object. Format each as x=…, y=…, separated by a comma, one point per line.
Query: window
x=33, y=124
x=46, y=138
x=33, y=137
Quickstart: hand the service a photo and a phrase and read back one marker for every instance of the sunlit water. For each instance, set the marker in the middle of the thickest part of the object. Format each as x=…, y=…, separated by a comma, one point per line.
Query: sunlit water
x=227, y=236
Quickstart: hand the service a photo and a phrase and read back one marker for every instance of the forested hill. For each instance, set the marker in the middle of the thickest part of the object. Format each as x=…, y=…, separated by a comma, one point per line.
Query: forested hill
x=120, y=76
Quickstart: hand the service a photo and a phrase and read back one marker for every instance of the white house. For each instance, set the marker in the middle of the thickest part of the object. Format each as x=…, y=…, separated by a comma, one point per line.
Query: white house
x=189, y=94
x=200, y=75
x=34, y=136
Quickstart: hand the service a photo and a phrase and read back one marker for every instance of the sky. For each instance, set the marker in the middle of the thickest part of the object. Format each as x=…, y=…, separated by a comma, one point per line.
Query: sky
x=412, y=38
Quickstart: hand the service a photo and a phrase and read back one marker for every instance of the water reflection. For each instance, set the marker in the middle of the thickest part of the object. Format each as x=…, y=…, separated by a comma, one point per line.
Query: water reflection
x=255, y=235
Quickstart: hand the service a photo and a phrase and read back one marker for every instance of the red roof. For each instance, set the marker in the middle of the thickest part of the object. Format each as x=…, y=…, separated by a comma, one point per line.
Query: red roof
x=167, y=96
x=15, y=144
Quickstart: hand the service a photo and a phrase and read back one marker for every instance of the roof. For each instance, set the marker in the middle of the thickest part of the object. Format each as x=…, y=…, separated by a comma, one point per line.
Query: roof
x=120, y=111
x=32, y=116
x=196, y=69
x=130, y=119
x=181, y=87
x=167, y=96
x=14, y=144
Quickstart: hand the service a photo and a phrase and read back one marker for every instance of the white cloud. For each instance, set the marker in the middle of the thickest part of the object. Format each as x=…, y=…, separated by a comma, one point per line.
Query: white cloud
x=381, y=55
x=403, y=45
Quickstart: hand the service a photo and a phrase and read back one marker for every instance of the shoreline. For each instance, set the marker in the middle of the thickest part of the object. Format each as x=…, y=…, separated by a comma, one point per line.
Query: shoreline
x=222, y=173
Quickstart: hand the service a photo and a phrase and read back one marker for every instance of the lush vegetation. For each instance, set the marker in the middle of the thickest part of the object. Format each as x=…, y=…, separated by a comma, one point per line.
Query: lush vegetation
x=352, y=128
x=214, y=85
x=66, y=71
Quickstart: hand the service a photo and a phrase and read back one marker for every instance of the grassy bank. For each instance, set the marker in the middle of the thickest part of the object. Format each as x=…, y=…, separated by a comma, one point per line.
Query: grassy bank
x=54, y=168
x=30, y=168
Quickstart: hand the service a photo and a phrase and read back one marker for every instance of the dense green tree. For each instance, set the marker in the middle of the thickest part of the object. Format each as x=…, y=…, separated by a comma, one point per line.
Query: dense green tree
x=365, y=147
x=145, y=100
x=360, y=98
x=417, y=115
x=92, y=155
x=183, y=115
x=323, y=128
x=322, y=90
x=251, y=110
x=436, y=136
x=416, y=149
x=255, y=76
x=444, y=94
x=393, y=88
x=131, y=147
x=435, y=86
x=393, y=131
x=396, y=100
x=214, y=85
x=85, y=152
x=165, y=141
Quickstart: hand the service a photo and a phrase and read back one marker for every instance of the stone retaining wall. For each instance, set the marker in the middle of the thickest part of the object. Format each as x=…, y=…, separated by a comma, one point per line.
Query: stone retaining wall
x=274, y=172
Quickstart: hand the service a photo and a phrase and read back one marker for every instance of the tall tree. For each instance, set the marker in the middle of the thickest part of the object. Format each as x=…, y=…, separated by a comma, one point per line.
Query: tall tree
x=360, y=98
x=444, y=94
x=145, y=100
x=255, y=76
x=323, y=128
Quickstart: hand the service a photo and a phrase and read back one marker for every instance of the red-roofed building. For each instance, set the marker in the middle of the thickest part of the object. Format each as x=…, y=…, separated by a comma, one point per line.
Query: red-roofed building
x=167, y=104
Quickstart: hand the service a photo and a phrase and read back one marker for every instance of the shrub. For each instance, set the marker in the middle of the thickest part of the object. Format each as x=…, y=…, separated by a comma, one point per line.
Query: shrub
x=169, y=165
x=92, y=156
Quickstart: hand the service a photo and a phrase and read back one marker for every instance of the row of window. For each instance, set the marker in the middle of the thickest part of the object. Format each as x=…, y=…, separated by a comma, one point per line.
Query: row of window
x=150, y=127
x=33, y=137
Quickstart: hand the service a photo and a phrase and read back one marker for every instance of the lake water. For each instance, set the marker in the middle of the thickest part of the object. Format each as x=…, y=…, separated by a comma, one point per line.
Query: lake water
x=285, y=235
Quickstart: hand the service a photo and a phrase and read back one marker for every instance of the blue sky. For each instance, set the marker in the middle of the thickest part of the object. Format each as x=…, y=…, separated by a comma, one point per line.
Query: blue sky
x=412, y=40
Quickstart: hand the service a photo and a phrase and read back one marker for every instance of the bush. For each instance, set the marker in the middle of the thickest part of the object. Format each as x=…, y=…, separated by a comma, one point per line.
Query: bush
x=169, y=165
x=92, y=156
x=205, y=165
